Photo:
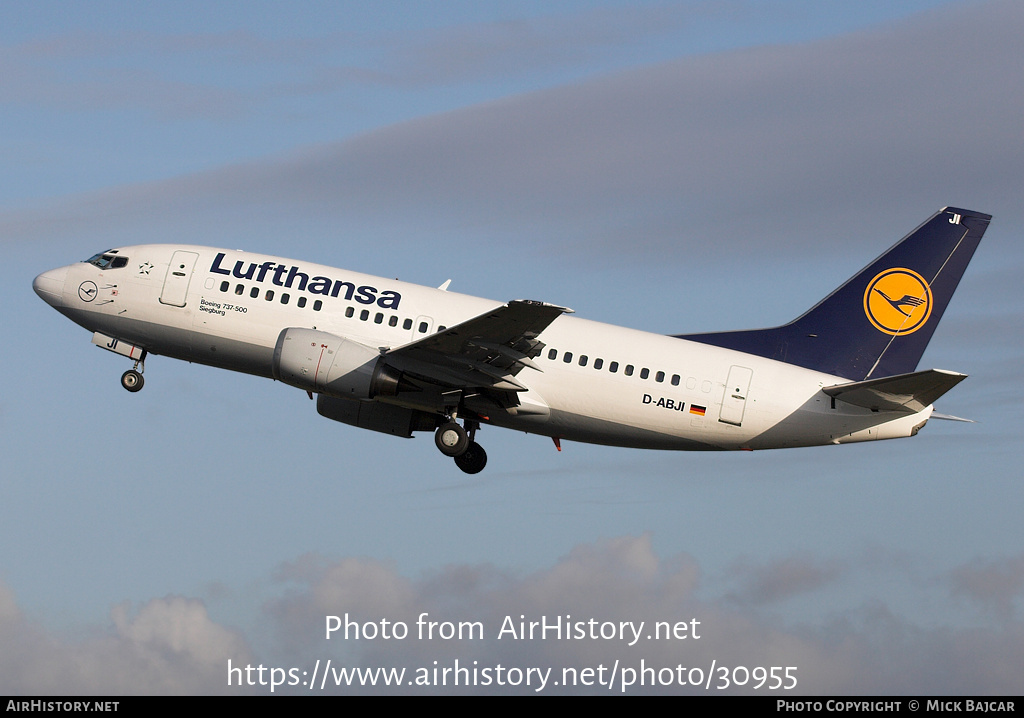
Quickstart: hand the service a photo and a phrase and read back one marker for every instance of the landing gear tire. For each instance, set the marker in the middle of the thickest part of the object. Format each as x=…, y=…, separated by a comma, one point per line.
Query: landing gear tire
x=451, y=439
x=473, y=459
x=132, y=380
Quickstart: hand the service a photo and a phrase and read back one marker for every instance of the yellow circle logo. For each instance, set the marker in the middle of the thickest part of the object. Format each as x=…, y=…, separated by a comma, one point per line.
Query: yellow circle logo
x=898, y=301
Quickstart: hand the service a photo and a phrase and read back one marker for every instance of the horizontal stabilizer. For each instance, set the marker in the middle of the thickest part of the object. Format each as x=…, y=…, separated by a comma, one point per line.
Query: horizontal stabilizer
x=908, y=393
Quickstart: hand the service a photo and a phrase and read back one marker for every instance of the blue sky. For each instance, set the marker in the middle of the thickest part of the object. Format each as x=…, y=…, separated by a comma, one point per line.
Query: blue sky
x=676, y=167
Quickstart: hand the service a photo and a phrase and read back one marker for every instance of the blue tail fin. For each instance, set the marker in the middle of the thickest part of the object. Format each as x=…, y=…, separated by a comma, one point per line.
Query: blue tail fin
x=879, y=322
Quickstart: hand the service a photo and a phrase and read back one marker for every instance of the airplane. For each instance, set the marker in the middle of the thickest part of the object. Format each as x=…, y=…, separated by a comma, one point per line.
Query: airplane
x=401, y=358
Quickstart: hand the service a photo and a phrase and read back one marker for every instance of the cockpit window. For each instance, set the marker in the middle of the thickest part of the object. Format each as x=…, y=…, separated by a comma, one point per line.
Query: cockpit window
x=108, y=260
x=101, y=260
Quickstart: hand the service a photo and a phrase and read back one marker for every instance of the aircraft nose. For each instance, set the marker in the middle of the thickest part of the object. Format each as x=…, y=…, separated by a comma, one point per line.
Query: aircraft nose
x=50, y=286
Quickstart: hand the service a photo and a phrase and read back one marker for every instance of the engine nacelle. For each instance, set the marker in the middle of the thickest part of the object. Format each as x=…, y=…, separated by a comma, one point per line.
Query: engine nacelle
x=328, y=364
x=373, y=415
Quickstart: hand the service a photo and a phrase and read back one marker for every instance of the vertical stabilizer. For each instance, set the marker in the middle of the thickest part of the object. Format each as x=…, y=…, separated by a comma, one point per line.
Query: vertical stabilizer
x=879, y=322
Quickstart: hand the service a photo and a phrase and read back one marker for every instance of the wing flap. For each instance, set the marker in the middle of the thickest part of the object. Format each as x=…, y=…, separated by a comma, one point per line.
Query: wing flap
x=486, y=351
x=908, y=393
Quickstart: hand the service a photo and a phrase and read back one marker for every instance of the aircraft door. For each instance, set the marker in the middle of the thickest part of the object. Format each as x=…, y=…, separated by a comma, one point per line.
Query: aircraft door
x=179, y=274
x=734, y=400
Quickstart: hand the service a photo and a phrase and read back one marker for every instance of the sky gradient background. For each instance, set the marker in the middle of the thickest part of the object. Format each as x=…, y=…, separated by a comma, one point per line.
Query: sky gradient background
x=671, y=166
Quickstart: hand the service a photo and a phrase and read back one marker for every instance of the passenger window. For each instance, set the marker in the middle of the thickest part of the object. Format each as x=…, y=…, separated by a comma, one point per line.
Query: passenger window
x=598, y=363
x=552, y=354
x=285, y=298
x=317, y=305
x=441, y=328
x=349, y=312
x=583, y=360
x=239, y=288
x=613, y=367
x=254, y=292
x=659, y=377
x=567, y=357
x=629, y=370
x=423, y=327
x=644, y=373
x=407, y=324
x=675, y=380
x=364, y=315
x=378, y=318
x=269, y=296
x=225, y=286
x=302, y=302
x=393, y=321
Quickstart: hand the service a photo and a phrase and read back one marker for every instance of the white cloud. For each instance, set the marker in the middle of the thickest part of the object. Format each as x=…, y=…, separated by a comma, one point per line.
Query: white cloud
x=994, y=585
x=168, y=646
x=783, y=578
x=866, y=649
x=171, y=645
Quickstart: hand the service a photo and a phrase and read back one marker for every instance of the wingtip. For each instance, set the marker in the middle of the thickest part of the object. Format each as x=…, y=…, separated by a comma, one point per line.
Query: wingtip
x=950, y=417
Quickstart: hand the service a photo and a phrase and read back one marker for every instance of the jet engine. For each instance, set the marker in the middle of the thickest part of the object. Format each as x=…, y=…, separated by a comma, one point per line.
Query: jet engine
x=328, y=364
x=376, y=416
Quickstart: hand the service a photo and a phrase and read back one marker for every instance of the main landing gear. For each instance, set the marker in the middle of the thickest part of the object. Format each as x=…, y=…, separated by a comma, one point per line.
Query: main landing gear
x=132, y=379
x=457, y=442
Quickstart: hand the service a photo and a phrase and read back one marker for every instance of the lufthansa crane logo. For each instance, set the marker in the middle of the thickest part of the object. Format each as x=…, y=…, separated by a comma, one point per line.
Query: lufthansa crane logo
x=87, y=291
x=898, y=301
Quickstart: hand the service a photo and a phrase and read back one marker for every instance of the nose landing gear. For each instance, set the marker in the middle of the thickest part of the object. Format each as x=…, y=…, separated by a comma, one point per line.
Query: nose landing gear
x=458, y=442
x=132, y=379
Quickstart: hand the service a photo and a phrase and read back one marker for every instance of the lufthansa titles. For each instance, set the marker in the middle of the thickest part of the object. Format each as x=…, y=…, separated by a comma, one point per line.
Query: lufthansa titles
x=291, y=277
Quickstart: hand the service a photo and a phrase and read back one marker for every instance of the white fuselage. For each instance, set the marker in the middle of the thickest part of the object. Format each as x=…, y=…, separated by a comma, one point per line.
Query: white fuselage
x=593, y=382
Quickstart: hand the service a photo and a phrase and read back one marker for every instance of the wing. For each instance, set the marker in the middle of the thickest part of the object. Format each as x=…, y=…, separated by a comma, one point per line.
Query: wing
x=485, y=352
